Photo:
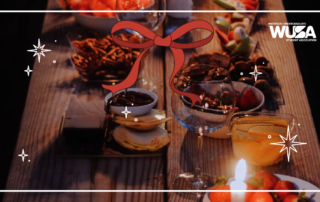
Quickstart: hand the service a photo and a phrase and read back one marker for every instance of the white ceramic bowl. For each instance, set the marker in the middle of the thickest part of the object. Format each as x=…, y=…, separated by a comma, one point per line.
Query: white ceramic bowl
x=135, y=110
x=222, y=133
x=299, y=183
x=99, y=24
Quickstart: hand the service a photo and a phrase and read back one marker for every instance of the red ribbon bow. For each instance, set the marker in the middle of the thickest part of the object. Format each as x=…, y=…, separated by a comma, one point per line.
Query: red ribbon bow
x=168, y=41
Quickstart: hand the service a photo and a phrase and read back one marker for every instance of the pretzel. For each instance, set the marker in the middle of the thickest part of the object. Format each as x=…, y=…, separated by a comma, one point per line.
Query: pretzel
x=96, y=57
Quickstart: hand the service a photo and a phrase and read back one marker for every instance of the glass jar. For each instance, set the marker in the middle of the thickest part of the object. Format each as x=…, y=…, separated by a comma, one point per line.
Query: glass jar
x=253, y=133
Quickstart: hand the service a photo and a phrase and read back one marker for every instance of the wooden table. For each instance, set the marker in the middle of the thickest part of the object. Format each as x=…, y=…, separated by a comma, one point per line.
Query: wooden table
x=52, y=84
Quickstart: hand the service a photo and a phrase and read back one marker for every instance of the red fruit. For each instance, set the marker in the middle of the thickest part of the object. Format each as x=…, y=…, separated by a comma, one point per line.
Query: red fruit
x=231, y=35
x=291, y=198
x=249, y=7
x=261, y=197
x=269, y=180
x=249, y=194
x=296, y=198
x=253, y=3
x=222, y=36
x=220, y=196
x=248, y=100
x=284, y=185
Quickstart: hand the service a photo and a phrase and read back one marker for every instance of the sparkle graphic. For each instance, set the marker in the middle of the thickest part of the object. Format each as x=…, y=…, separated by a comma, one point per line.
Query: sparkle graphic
x=23, y=155
x=255, y=73
x=38, y=50
x=288, y=143
x=126, y=112
x=54, y=61
x=28, y=70
x=136, y=120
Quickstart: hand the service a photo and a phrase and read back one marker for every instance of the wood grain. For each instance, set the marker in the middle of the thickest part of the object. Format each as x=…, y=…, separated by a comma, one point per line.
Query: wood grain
x=217, y=156
x=51, y=86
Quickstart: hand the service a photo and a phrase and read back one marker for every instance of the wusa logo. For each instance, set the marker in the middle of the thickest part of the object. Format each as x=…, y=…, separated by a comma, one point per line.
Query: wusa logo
x=293, y=31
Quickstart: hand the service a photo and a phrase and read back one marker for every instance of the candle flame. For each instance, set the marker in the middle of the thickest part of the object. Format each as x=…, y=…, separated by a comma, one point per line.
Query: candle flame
x=241, y=170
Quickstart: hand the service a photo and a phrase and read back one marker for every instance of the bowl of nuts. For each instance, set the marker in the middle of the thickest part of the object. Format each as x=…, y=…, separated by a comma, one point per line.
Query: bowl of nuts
x=100, y=59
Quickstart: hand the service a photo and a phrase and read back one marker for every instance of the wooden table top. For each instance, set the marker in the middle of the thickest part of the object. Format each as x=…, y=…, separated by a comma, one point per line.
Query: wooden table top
x=52, y=85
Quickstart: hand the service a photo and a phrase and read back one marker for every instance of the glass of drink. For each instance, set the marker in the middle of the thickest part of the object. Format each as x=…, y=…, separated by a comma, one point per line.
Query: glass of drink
x=253, y=135
x=215, y=110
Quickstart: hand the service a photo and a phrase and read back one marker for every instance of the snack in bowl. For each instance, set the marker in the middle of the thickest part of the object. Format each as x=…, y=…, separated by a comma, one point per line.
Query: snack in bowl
x=98, y=21
x=103, y=59
x=230, y=21
x=90, y=5
x=217, y=97
x=132, y=102
x=252, y=99
x=252, y=180
x=131, y=98
x=238, y=4
x=237, y=42
x=239, y=68
x=209, y=100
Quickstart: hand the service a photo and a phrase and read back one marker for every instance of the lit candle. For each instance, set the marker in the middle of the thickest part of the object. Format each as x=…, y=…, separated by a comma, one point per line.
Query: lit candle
x=239, y=184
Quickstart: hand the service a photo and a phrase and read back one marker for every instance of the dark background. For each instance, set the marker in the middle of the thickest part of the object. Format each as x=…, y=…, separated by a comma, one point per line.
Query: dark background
x=19, y=31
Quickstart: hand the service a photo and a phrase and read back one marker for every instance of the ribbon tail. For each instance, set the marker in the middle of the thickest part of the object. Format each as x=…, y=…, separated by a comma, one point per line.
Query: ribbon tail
x=131, y=78
x=178, y=62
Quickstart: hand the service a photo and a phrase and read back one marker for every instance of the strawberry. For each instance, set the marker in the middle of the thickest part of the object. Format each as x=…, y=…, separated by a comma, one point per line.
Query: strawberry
x=220, y=196
x=248, y=100
x=222, y=36
x=261, y=197
x=296, y=198
x=263, y=180
x=231, y=35
x=284, y=185
x=249, y=194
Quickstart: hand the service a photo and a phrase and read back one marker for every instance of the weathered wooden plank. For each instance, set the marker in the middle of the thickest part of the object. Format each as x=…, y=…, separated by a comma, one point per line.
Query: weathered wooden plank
x=217, y=156
x=51, y=86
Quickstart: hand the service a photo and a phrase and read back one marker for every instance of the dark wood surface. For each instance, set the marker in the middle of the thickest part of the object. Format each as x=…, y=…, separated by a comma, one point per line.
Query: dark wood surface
x=217, y=156
x=52, y=85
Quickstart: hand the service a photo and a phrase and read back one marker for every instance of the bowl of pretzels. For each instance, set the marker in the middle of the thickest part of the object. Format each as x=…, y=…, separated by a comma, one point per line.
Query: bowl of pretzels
x=100, y=59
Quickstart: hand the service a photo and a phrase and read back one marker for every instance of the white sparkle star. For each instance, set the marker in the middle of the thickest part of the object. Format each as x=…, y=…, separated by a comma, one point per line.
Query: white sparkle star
x=288, y=143
x=255, y=73
x=28, y=70
x=23, y=155
x=126, y=112
x=38, y=50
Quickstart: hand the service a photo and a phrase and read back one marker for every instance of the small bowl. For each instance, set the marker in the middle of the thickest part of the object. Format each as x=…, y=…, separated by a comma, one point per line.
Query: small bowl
x=239, y=87
x=216, y=115
x=135, y=110
x=102, y=25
